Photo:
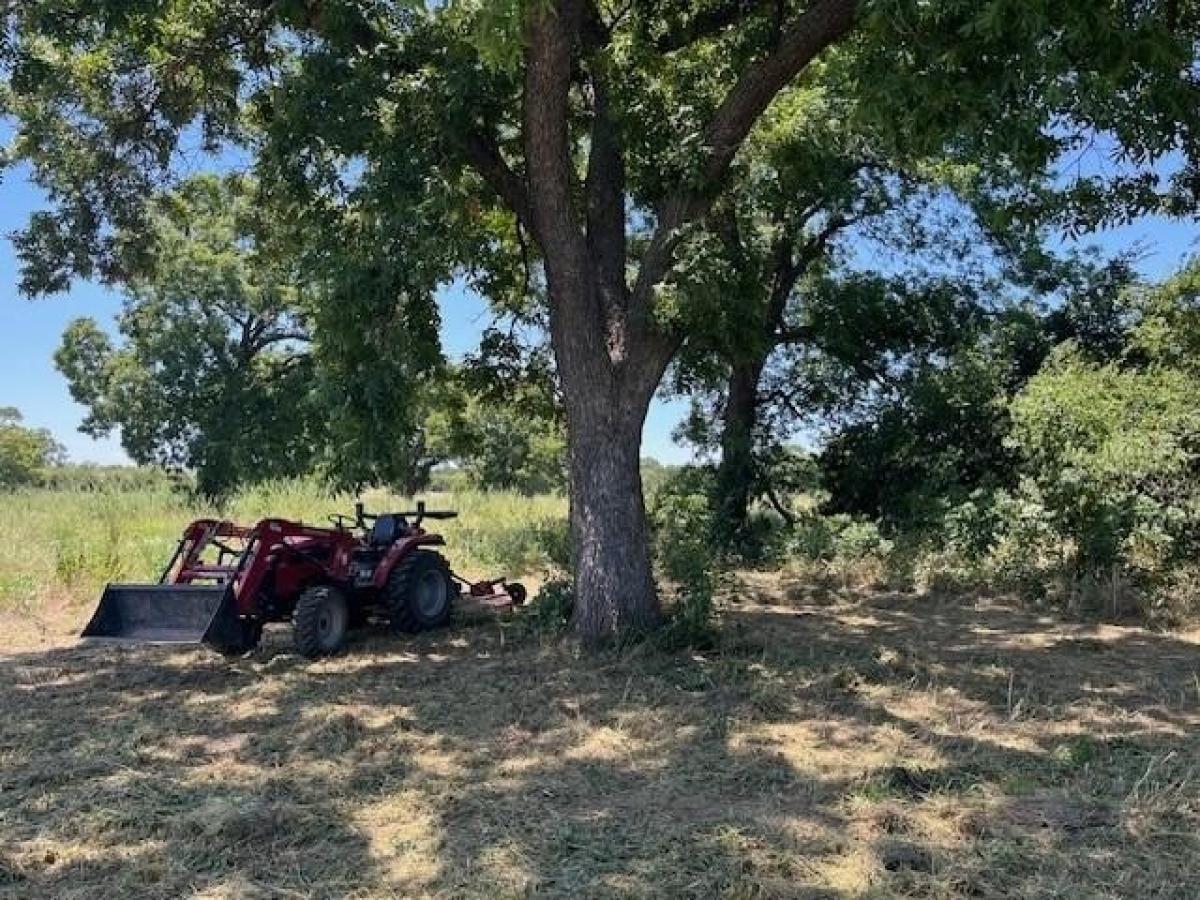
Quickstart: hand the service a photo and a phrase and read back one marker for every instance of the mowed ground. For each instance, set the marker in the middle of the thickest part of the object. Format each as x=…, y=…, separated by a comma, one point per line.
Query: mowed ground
x=880, y=748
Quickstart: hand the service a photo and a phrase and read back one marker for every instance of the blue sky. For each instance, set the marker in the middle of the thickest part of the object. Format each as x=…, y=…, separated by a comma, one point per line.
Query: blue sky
x=30, y=329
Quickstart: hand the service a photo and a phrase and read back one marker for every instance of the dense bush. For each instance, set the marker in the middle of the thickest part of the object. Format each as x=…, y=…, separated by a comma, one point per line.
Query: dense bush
x=1115, y=453
x=550, y=610
x=839, y=537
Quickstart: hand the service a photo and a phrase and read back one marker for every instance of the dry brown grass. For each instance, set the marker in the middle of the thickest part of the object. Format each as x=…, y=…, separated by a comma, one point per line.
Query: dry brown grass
x=884, y=748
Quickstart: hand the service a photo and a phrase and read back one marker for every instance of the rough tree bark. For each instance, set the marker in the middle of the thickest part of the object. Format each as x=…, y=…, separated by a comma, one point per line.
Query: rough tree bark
x=736, y=471
x=613, y=579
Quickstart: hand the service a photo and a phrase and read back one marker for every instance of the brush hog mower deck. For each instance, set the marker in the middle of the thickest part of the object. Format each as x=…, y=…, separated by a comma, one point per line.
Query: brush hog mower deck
x=226, y=581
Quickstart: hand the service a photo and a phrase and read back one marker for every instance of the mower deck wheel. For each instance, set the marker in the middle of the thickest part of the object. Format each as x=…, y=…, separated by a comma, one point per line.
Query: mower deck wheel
x=319, y=621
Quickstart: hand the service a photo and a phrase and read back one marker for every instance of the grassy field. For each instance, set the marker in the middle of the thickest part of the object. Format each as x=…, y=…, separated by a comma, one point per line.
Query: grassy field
x=873, y=745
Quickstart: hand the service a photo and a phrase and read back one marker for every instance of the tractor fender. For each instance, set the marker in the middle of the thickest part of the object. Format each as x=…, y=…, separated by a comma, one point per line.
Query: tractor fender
x=399, y=551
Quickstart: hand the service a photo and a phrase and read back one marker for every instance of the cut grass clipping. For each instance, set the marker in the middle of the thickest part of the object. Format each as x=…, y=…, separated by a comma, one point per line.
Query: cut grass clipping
x=876, y=749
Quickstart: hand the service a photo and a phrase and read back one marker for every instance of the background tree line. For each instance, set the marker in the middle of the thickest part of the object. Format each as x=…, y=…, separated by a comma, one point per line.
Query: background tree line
x=1047, y=445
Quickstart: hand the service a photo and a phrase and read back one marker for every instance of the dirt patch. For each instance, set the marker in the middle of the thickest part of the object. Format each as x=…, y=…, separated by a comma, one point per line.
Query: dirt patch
x=879, y=748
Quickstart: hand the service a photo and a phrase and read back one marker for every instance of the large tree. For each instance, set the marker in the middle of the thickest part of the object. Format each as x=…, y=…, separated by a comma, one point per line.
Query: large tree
x=587, y=140
x=824, y=233
x=214, y=373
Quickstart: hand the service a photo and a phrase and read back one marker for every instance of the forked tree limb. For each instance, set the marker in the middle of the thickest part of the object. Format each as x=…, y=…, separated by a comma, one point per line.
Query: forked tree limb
x=551, y=30
x=816, y=28
x=484, y=155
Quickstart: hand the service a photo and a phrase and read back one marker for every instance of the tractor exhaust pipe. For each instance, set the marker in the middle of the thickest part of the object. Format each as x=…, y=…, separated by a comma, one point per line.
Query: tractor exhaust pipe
x=166, y=614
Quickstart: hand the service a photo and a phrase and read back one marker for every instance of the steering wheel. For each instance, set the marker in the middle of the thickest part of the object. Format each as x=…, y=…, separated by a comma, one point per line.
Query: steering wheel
x=339, y=521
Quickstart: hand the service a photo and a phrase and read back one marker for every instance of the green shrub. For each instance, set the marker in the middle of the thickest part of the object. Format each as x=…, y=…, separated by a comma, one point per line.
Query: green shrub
x=860, y=539
x=25, y=453
x=812, y=537
x=550, y=610
x=682, y=522
x=837, y=538
x=972, y=528
x=1113, y=453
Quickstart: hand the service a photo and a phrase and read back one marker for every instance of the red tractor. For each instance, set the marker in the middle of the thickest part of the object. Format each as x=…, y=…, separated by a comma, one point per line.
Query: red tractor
x=225, y=581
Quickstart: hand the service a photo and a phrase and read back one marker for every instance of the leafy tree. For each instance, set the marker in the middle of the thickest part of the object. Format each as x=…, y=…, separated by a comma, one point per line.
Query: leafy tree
x=500, y=448
x=589, y=141
x=222, y=372
x=1113, y=442
x=24, y=451
x=820, y=334
x=918, y=388
x=844, y=250
x=934, y=434
x=214, y=373
x=807, y=174
x=1165, y=326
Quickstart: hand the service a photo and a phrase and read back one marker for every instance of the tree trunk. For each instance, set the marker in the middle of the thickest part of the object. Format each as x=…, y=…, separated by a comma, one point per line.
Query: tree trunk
x=735, y=474
x=614, y=581
x=610, y=355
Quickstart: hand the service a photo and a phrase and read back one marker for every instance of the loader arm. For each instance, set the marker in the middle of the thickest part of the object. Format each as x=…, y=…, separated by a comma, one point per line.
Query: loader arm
x=203, y=602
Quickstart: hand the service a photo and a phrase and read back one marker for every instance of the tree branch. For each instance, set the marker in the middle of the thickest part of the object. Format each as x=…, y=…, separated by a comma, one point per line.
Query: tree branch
x=789, y=267
x=725, y=224
x=814, y=30
x=485, y=158
x=815, y=247
x=794, y=334
x=604, y=187
x=780, y=507
x=275, y=337
x=550, y=32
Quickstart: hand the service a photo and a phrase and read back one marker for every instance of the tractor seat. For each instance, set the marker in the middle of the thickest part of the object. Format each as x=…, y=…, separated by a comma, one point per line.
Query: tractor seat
x=388, y=528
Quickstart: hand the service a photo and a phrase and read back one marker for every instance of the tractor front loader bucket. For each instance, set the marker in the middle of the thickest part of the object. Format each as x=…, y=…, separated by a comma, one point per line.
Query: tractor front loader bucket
x=166, y=614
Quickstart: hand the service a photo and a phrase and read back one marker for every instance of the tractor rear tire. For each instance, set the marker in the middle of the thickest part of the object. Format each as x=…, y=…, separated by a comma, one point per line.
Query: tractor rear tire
x=420, y=592
x=319, y=621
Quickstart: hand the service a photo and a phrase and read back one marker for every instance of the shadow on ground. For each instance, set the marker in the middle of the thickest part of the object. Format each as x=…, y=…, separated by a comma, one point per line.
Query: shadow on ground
x=881, y=749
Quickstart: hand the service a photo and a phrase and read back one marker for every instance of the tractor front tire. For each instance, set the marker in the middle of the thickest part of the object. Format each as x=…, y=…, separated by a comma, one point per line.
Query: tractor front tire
x=420, y=592
x=319, y=621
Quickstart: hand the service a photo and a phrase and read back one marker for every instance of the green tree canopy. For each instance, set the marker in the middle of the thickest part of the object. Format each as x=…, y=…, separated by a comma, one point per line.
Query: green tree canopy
x=915, y=385
x=214, y=372
x=498, y=416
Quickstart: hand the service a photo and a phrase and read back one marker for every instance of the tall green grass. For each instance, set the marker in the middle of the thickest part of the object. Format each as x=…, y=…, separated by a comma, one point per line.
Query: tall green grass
x=65, y=544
